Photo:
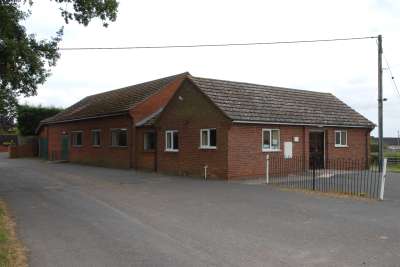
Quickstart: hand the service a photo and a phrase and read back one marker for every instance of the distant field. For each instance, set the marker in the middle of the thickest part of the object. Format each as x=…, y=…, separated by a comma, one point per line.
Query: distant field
x=390, y=154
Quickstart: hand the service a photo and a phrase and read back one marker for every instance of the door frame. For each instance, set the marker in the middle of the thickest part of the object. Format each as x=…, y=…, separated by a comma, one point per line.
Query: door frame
x=317, y=131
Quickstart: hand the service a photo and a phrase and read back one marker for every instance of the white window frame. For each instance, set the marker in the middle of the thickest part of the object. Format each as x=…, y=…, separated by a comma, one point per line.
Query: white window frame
x=208, y=146
x=340, y=138
x=171, y=149
x=119, y=129
x=72, y=137
x=96, y=131
x=270, y=136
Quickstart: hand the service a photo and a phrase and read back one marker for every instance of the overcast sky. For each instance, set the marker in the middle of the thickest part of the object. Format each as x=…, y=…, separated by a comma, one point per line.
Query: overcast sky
x=346, y=69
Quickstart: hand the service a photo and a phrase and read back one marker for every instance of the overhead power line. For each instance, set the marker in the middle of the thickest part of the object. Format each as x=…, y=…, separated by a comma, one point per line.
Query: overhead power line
x=396, y=89
x=215, y=45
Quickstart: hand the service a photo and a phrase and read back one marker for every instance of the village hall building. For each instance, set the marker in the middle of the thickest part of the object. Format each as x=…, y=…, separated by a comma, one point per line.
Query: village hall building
x=182, y=124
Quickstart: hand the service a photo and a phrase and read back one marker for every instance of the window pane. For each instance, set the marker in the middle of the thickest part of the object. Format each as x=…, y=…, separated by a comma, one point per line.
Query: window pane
x=266, y=139
x=122, y=138
x=149, y=140
x=96, y=138
x=176, y=140
x=204, y=138
x=114, y=138
x=213, y=137
x=275, y=139
x=337, y=138
x=344, y=138
x=77, y=139
x=169, y=141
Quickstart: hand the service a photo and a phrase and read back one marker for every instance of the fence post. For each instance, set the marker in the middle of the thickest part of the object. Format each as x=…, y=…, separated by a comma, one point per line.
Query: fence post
x=383, y=178
x=267, y=170
x=313, y=174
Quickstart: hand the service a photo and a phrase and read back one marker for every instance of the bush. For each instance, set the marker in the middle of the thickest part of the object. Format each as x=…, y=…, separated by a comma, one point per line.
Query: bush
x=29, y=117
x=374, y=148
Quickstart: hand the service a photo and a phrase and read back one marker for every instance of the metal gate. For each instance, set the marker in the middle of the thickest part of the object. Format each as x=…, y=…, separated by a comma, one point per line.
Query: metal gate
x=43, y=148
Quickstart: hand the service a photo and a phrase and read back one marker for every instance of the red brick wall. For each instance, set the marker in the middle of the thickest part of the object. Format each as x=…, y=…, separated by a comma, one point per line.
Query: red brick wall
x=356, y=144
x=145, y=160
x=246, y=159
x=245, y=156
x=3, y=148
x=43, y=132
x=188, y=112
x=23, y=151
x=105, y=155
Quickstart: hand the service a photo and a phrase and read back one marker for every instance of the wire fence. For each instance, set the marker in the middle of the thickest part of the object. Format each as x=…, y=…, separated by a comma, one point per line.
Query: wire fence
x=345, y=176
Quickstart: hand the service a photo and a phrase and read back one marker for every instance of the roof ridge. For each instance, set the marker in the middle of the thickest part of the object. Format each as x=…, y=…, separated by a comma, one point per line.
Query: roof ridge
x=261, y=85
x=142, y=83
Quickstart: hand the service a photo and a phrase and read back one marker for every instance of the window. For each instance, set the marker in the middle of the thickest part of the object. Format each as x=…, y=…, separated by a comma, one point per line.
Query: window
x=149, y=141
x=172, y=141
x=96, y=139
x=270, y=140
x=341, y=138
x=77, y=138
x=208, y=138
x=119, y=137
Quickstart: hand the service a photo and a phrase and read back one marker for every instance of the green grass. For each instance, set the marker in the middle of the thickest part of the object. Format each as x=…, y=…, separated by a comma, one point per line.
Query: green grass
x=11, y=251
x=394, y=168
x=390, y=154
x=4, y=247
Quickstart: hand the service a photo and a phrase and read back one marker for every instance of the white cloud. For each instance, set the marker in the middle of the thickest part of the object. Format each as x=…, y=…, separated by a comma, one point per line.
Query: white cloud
x=347, y=69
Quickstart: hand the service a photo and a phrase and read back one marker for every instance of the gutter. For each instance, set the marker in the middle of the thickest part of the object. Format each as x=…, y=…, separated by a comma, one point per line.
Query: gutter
x=81, y=119
x=143, y=121
x=302, y=124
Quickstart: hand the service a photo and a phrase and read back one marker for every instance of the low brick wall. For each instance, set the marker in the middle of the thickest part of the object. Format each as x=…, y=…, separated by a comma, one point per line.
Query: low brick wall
x=3, y=148
x=23, y=151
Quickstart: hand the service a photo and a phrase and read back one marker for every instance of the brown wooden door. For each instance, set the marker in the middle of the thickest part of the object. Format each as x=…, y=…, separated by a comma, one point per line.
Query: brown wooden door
x=317, y=149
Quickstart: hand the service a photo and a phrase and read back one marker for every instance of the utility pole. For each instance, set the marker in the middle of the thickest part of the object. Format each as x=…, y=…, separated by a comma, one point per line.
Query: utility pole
x=380, y=104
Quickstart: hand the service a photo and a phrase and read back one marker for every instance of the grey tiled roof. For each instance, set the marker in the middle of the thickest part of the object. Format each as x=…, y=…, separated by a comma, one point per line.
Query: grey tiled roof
x=239, y=101
x=260, y=103
x=112, y=102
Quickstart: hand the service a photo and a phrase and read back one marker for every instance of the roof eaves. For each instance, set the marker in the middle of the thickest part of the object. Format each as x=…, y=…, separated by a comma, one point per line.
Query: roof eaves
x=304, y=124
x=148, y=118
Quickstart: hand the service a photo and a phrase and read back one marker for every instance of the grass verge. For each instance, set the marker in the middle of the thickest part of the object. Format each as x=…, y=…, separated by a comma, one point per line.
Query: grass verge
x=394, y=168
x=12, y=252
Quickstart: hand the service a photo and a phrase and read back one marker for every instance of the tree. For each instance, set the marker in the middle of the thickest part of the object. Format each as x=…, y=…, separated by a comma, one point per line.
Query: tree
x=25, y=62
x=29, y=117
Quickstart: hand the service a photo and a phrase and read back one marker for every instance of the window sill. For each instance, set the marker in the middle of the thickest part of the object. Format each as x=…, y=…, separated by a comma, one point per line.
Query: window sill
x=118, y=146
x=149, y=150
x=340, y=146
x=76, y=146
x=172, y=150
x=271, y=150
x=96, y=146
x=208, y=147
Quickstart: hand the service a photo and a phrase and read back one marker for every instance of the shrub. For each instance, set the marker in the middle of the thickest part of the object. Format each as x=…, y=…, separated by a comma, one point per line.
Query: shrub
x=29, y=117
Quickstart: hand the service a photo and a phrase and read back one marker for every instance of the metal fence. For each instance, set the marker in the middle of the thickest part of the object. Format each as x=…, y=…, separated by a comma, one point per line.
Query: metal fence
x=344, y=176
x=393, y=160
x=393, y=164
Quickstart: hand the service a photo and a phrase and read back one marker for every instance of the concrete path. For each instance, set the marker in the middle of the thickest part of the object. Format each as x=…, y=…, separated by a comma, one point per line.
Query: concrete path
x=73, y=215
